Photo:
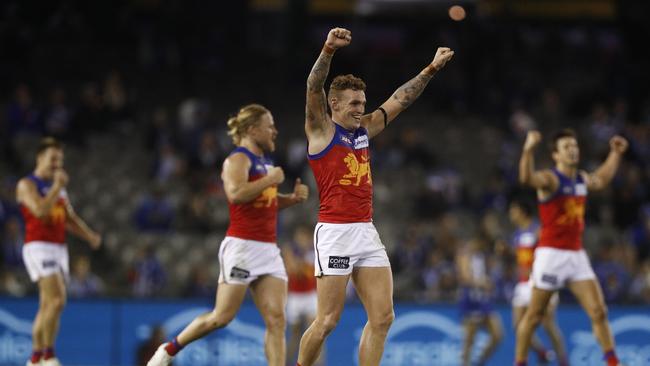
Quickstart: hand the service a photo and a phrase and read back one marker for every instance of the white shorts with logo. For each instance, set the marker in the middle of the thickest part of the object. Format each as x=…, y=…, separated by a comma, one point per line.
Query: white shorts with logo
x=341, y=247
x=243, y=261
x=43, y=259
x=523, y=292
x=301, y=305
x=554, y=268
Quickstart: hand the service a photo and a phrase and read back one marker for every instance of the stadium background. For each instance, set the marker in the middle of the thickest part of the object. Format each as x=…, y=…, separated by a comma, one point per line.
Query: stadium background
x=140, y=92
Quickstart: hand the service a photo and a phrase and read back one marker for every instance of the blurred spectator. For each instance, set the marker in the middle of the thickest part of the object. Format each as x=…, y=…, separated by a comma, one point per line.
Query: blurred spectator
x=58, y=116
x=91, y=114
x=84, y=283
x=147, y=276
x=613, y=277
x=115, y=98
x=12, y=244
x=10, y=285
x=200, y=284
x=22, y=115
x=154, y=213
x=640, y=234
x=640, y=287
x=169, y=164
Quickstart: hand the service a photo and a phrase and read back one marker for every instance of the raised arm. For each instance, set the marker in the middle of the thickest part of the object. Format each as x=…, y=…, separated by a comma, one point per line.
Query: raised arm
x=317, y=121
x=235, y=179
x=78, y=227
x=540, y=180
x=406, y=94
x=602, y=176
x=27, y=194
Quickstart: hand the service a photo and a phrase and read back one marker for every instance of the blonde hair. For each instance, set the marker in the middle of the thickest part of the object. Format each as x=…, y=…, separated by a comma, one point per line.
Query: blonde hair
x=248, y=116
x=345, y=82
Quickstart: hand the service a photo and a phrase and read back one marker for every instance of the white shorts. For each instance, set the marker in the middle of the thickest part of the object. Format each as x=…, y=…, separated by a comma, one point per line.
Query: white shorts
x=242, y=261
x=43, y=259
x=301, y=305
x=341, y=247
x=554, y=268
x=523, y=293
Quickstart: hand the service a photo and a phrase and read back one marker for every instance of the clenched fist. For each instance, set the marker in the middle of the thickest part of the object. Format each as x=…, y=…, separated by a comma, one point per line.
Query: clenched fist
x=443, y=55
x=618, y=144
x=532, y=140
x=338, y=37
x=300, y=191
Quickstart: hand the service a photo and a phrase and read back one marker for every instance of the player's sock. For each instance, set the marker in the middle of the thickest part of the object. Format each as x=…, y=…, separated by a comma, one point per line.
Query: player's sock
x=563, y=362
x=48, y=353
x=542, y=354
x=610, y=357
x=36, y=356
x=173, y=347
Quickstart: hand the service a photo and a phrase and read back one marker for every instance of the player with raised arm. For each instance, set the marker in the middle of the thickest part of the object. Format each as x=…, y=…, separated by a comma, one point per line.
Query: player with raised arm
x=48, y=214
x=248, y=255
x=560, y=259
x=346, y=242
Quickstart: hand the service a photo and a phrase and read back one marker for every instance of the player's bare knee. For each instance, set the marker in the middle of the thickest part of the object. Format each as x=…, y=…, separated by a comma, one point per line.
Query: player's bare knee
x=326, y=325
x=598, y=313
x=55, y=304
x=382, y=322
x=275, y=321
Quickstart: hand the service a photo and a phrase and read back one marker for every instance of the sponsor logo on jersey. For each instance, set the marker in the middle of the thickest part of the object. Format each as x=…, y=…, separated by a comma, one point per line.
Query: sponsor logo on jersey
x=549, y=278
x=361, y=142
x=339, y=262
x=240, y=273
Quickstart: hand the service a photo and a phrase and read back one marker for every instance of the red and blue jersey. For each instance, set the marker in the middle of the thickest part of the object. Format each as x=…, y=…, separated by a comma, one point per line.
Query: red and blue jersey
x=524, y=242
x=51, y=227
x=343, y=177
x=563, y=214
x=255, y=220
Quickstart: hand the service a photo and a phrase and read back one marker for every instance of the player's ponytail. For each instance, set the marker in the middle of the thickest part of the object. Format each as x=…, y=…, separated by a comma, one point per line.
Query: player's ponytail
x=248, y=116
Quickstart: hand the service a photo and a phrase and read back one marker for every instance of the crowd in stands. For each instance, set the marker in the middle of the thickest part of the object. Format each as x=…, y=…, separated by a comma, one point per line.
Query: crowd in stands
x=444, y=173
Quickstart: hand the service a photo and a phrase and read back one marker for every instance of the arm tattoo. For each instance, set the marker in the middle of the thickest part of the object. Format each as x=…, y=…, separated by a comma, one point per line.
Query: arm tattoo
x=411, y=90
x=318, y=74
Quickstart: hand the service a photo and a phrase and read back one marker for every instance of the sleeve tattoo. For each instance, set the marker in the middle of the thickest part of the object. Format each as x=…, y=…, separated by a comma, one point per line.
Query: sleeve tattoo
x=411, y=90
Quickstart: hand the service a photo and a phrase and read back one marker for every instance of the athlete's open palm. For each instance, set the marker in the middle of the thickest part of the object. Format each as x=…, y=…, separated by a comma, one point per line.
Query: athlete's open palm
x=338, y=37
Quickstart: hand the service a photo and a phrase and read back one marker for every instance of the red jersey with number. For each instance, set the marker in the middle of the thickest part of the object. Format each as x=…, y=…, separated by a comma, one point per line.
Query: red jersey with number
x=51, y=227
x=255, y=220
x=343, y=177
x=563, y=214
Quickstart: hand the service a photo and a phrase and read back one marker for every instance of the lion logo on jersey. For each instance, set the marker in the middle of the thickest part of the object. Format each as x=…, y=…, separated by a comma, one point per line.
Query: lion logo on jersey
x=57, y=214
x=267, y=197
x=574, y=212
x=357, y=170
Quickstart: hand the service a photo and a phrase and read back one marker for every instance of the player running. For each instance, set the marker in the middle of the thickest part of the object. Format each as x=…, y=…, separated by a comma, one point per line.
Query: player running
x=345, y=239
x=477, y=299
x=560, y=259
x=524, y=241
x=48, y=214
x=248, y=255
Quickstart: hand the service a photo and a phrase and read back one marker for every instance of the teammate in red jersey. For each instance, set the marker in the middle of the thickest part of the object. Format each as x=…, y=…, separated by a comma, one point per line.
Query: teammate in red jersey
x=345, y=239
x=302, y=300
x=48, y=215
x=248, y=254
x=559, y=258
x=523, y=243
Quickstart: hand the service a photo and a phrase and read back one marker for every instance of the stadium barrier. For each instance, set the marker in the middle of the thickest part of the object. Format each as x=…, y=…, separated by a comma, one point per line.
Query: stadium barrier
x=108, y=332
